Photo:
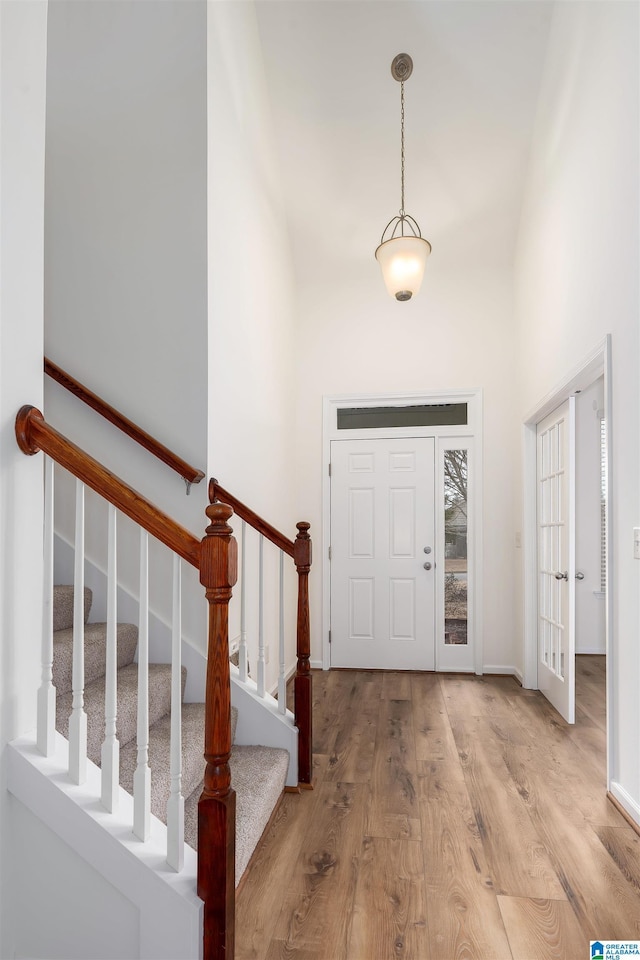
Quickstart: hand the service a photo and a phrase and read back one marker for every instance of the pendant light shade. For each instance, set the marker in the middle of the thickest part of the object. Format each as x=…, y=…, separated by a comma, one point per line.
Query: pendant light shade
x=402, y=253
x=402, y=260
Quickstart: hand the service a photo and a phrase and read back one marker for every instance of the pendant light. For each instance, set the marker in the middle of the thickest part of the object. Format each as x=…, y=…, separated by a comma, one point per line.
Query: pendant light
x=403, y=251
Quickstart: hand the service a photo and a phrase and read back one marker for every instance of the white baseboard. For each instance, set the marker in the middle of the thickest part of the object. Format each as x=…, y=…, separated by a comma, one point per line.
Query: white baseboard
x=626, y=800
x=502, y=670
x=599, y=651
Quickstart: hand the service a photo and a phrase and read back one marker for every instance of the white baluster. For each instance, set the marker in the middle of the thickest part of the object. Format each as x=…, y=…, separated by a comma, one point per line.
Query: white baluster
x=175, y=805
x=111, y=747
x=242, y=653
x=47, y=691
x=282, y=686
x=142, y=775
x=78, y=718
x=261, y=662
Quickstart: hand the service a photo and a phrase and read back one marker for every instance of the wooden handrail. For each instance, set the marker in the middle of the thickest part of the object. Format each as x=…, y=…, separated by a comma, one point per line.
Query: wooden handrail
x=216, y=492
x=33, y=433
x=188, y=473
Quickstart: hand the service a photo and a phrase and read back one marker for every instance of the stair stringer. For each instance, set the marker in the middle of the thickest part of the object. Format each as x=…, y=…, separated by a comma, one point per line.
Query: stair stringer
x=260, y=721
x=170, y=912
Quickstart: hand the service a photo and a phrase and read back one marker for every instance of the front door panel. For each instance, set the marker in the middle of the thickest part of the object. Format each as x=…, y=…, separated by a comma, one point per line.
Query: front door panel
x=382, y=518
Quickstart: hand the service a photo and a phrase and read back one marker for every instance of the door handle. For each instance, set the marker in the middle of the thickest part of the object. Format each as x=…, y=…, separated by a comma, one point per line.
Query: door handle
x=579, y=575
x=427, y=565
x=562, y=576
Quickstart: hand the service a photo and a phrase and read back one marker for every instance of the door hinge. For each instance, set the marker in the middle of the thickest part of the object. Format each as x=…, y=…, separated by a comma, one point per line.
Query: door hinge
x=329, y=469
x=329, y=636
x=329, y=553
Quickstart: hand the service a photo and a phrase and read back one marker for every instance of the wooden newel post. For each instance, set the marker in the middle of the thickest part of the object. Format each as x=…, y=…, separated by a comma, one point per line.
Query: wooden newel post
x=302, y=685
x=217, y=805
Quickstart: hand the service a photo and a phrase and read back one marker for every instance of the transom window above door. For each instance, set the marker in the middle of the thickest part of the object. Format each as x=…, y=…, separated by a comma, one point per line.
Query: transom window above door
x=416, y=415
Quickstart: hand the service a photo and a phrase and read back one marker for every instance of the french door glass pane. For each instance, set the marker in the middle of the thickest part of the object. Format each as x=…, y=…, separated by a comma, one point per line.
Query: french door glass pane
x=455, y=547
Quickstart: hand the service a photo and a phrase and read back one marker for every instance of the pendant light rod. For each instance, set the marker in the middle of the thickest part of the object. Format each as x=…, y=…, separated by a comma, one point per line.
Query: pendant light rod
x=402, y=149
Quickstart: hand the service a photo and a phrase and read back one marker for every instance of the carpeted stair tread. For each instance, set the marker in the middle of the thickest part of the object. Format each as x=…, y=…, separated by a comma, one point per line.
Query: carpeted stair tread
x=159, y=757
x=94, y=653
x=94, y=699
x=258, y=775
x=63, y=606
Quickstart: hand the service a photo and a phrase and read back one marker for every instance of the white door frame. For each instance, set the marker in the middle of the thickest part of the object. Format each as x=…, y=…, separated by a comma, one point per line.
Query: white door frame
x=594, y=365
x=473, y=428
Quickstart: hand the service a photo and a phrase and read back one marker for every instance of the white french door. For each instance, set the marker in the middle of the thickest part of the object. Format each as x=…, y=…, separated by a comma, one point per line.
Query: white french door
x=556, y=558
x=382, y=553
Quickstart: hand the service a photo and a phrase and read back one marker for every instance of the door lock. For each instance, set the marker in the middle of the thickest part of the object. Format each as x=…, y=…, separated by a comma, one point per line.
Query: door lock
x=562, y=576
x=427, y=549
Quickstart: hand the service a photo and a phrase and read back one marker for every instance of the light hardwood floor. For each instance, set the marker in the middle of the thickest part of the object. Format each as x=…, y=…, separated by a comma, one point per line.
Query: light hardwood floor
x=451, y=817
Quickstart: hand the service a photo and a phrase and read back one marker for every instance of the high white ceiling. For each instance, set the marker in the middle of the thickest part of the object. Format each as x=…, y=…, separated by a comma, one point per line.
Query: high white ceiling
x=470, y=110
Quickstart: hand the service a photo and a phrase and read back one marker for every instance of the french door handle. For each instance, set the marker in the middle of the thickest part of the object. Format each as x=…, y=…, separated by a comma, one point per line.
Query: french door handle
x=562, y=576
x=579, y=575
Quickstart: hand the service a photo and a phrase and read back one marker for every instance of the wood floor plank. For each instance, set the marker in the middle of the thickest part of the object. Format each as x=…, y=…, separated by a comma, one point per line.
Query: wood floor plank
x=332, y=694
x=260, y=899
x=396, y=685
x=474, y=696
x=591, y=740
x=318, y=902
x=389, y=916
x=606, y=904
x=393, y=810
x=283, y=950
x=351, y=759
x=543, y=929
x=623, y=846
x=462, y=910
x=563, y=767
x=432, y=729
x=590, y=702
x=591, y=667
x=517, y=855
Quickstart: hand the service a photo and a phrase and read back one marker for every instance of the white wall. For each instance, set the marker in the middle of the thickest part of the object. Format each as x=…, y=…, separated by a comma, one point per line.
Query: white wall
x=457, y=334
x=126, y=250
x=22, y=119
x=70, y=899
x=251, y=347
x=590, y=600
x=577, y=280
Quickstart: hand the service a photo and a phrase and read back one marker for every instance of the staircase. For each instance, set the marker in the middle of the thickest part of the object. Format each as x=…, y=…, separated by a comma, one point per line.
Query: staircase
x=258, y=773
x=115, y=741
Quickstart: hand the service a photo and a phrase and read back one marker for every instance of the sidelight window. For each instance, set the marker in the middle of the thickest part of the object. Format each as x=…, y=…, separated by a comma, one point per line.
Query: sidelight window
x=456, y=566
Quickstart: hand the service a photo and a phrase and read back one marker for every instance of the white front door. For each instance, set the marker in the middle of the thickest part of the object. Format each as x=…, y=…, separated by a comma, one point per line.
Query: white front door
x=382, y=560
x=556, y=558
